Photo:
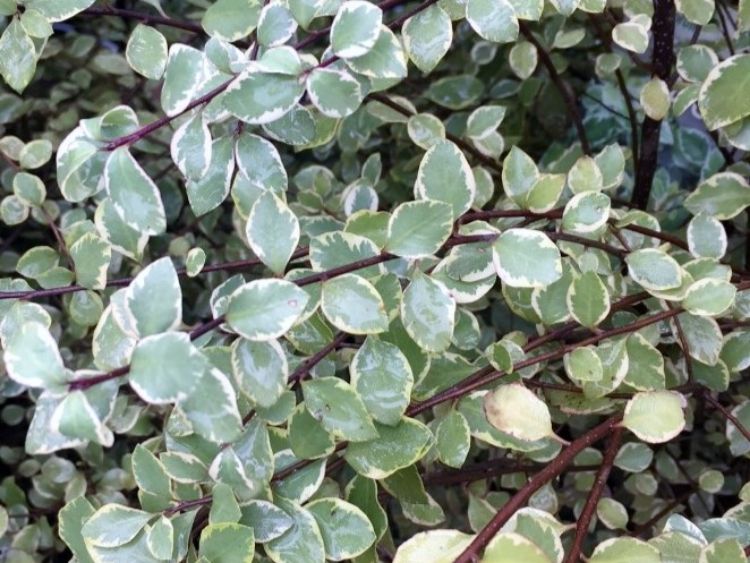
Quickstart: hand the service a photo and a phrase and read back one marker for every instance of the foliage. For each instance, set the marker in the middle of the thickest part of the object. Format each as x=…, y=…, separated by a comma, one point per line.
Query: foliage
x=307, y=280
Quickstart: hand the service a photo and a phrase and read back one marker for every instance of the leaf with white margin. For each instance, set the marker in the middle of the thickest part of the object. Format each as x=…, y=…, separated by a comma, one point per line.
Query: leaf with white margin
x=586, y=212
x=706, y=237
x=18, y=56
x=511, y=547
x=265, y=309
x=160, y=538
x=445, y=175
x=419, y=228
x=453, y=439
x=382, y=377
x=588, y=299
x=523, y=59
x=146, y=52
x=493, y=20
x=123, y=238
x=436, y=546
x=355, y=28
x=58, y=10
x=75, y=417
x=738, y=444
x=303, y=483
x=227, y=542
x=111, y=346
x=425, y=130
x=397, y=447
x=260, y=370
x=427, y=37
x=91, y=255
x=114, y=525
x=231, y=20
x=212, y=408
x=723, y=550
x=166, y=368
x=352, y=304
x=654, y=269
x=645, y=364
x=386, y=59
x=632, y=35
x=186, y=72
x=611, y=164
x=32, y=358
x=208, y=192
x=258, y=97
x=703, y=336
x=275, y=24
x=339, y=409
x=302, y=542
x=134, y=195
x=191, y=147
x=260, y=162
x=267, y=520
x=517, y=411
x=526, y=258
x=585, y=176
x=272, y=231
x=655, y=416
x=484, y=121
x=153, y=299
x=709, y=297
x=655, y=99
x=428, y=313
x=334, y=92
x=545, y=193
x=583, y=364
x=723, y=196
x=719, y=101
x=41, y=439
x=304, y=11
x=337, y=248
x=345, y=529
x=619, y=550
x=519, y=175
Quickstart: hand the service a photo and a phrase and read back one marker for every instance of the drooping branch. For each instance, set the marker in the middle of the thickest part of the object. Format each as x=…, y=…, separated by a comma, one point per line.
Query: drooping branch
x=551, y=471
x=567, y=96
x=662, y=63
x=584, y=520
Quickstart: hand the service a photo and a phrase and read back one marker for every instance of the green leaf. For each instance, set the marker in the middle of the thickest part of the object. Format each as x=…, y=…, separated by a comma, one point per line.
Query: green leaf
x=493, y=20
x=519, y=174
x=160, y=538
x=339, y=409
x=260, y=369
x=258, y=97
x=194, y=261
x=76, y=417
x=186, y=72
x=227, y=543
x=735, y=353
x=29, y=189
x=517, y=411
x=395, y=448
x=709, y=297
x=508, y=547
x=149, y=472
x=260, y=162
x=31, y=357
x=114, y=525
x=618, y=550
x=135, y=197
x=586, y=212
x=634, y=457
x=425, y=130
x=722, y=196
x=523, y=59
x=59, y=9
x=212, y=408
x=718, y=100
x=71, y=519
x=265, y=309
x=275, y=24
x=147, y=52
x=353, y=305
x=655, y=416
x=307, y=436
x=419, y=228
x=444, y=175
x=166, y=368
x=583, y=364
x=334, y=92
x=154, y=300
x=526, y=258
x=645, y=364
x=382, y=377
x=273, y=231
x=191, y=147
x=655, y=99
x=588, y=299
x=231, y=20
x=706, y=237
x=654, y=269
x=725, y=550
x=36, y=261
x=428, y=314
x=453, y=439
x=427, y=37
x=355, y=28
x=436, y=546
x=633, y=35
x=91, y=256
x=345, y=529
x=18, y=56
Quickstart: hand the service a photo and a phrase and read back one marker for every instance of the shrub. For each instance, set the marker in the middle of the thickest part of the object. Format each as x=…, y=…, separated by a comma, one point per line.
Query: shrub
x=423, y=282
